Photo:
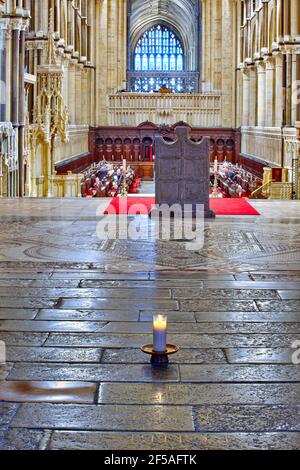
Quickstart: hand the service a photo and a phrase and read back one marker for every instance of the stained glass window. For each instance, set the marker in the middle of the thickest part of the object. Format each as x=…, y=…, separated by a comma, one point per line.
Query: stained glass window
x=157, y=55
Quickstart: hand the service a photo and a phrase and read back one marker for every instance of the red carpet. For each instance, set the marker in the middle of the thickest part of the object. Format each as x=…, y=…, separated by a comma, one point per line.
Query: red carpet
x=143, y=206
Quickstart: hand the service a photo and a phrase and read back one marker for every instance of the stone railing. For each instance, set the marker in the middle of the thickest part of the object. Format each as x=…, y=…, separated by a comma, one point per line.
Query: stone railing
x=68, y=186
x=8, y=161
x=131, y=109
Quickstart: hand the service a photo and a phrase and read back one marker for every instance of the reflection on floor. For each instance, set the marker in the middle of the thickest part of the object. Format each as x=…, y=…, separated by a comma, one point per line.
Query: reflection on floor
x=75, y=310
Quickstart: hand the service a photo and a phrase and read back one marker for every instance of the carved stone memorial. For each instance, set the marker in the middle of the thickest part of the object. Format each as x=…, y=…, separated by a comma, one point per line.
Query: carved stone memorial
x=183, y=171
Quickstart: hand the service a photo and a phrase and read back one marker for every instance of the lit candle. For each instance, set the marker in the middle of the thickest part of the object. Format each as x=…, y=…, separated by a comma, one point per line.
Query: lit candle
x=160, y=333
x=216, y=166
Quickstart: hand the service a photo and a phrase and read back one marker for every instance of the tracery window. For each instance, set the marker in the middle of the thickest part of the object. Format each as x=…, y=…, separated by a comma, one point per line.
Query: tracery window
x=159, y=57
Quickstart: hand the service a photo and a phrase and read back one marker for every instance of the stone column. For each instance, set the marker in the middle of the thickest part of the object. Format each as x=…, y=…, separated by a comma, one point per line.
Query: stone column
x=246, y=95
x=21, y=130
x=261, y=91
x=289, y=69
x=252, y=96
x=269, y=117
x=3, y=36
x=297, y=91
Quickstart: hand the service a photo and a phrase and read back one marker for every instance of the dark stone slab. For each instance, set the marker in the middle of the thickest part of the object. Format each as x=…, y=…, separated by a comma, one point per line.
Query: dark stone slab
x=188, y=341
x=17, y=314
x=199, y=394
x=64, y=440
x=217, y=305
x=252, y=418
x=119, y=304
x=25, y=302
x=239, y=373
x=195, y=275
x=260, y=355
x=230, y=294
x=48, y=392
x=184, y=356
x=104, y=417
x=88, y=315
x=93, y=373
x=39, y=325
x=97, y=275
x=23, y=339
x=68, y=355
x=23, y=439
x=111, y=293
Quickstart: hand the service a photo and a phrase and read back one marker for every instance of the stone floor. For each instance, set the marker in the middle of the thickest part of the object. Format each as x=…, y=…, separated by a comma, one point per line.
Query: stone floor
x=74, y=311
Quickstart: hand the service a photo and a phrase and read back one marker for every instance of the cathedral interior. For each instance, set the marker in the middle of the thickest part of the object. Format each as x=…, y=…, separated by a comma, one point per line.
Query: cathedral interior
x=91, y=92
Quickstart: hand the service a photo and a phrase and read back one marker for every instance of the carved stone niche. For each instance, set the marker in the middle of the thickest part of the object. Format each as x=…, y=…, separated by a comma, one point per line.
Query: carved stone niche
x=183, y=172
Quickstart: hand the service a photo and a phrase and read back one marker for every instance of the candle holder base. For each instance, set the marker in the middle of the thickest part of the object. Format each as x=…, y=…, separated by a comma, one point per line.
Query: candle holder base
x=160, y=358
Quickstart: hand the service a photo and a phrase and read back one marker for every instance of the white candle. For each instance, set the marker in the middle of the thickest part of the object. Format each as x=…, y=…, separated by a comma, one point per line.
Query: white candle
x=124, y=166
x=160, y=333
x=216, y=166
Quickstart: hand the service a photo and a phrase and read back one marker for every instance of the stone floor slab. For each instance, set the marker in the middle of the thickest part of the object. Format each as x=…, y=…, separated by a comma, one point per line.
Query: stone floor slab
x=254, y=418
x=46, y=355
x=48, y=326
x=93, y=373
x=217, y=305
x=184, y=356
x=199, y=394
x=23, y=338
x=118, y=304
x=17, y=314
x=73, y=440
x=239, y=373
x=88, y=315
x=104, y=417
x=257, y=317
x=230, y=294
x=259, y=355
x=23, y=439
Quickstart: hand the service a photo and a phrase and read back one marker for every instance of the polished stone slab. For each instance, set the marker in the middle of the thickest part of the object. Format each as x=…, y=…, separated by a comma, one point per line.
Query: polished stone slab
x=289, y=294
x=115, y=304
x=47, y=392
x=239, y=373
x=23, y=303
x=69, y=440
x=39, y=354
x=104, y=417
x=257, y=317
x=157, y=284
x=93, y=373
x=259, y=355
x=199, y=394
x=39, y=325
x=217, y=305
x=97, y=275
x=231, y=294
x=184, y=356
x=202, y=328
x=17, y=314
x=110, y=293
x=88, y=315
x=173, y=317
x=189, y=341
x=23, y=338
x=251, y=418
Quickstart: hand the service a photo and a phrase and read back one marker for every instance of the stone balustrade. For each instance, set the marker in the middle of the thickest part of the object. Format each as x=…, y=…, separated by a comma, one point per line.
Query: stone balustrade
x=131, y=109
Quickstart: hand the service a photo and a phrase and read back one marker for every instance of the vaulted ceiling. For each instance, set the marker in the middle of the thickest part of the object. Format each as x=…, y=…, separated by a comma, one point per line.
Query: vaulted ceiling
x=181, y=15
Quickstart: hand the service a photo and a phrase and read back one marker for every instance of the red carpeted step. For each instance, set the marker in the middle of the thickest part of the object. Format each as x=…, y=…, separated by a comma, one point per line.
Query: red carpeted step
x=144, y=205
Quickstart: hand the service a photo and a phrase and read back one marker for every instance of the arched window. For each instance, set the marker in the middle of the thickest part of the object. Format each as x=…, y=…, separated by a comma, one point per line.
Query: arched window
x=158, y=59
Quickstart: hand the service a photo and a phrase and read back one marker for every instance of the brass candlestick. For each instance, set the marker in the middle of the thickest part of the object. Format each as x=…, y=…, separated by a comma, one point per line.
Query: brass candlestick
x=160, y=358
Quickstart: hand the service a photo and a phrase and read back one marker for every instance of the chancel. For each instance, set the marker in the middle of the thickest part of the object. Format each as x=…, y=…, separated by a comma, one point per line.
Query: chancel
x=115, y=335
